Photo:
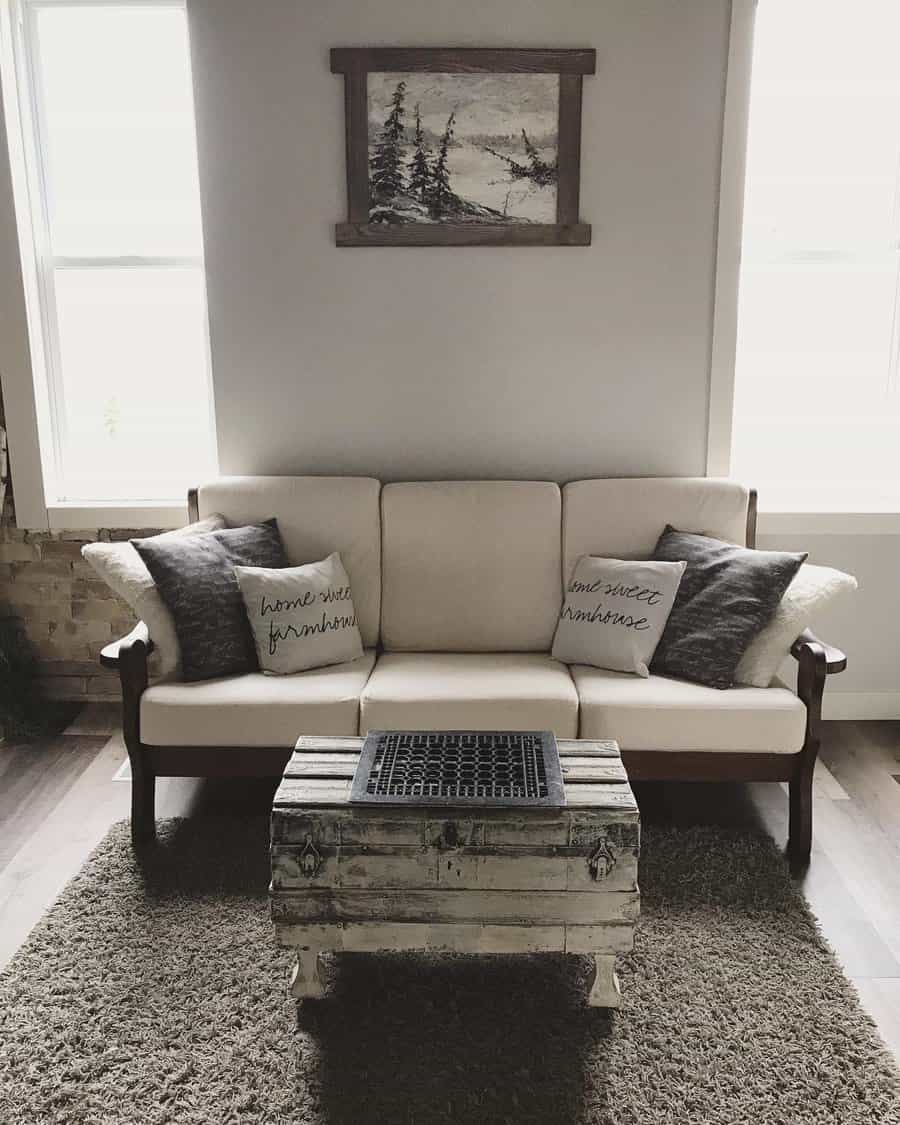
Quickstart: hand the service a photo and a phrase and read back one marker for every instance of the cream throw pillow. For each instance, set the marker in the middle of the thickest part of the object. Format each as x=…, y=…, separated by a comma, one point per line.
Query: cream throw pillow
x=615, y=612
x=812, y=588
x=301, y=616
x=123, y=570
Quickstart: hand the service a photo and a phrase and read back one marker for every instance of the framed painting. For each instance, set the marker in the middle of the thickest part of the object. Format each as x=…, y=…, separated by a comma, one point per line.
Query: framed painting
x=462, y=146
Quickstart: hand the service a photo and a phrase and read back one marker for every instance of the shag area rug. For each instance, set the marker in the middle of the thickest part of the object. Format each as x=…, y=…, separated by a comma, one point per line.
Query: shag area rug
x=154, y=993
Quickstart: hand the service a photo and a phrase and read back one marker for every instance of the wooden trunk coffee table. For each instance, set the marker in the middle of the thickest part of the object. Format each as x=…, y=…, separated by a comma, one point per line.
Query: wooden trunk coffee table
x=372, y=878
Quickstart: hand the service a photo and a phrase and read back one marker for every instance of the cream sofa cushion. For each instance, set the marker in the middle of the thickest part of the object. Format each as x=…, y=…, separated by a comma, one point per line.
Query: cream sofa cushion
x=469, y=691
x=623, y=518
x=666, y=714
x=316, y=516
x=470, y=566
x=255, y=709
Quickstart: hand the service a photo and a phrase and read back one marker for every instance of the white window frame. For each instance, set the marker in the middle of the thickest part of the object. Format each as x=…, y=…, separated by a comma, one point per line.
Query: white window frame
x=29, y=358
x=774, y=518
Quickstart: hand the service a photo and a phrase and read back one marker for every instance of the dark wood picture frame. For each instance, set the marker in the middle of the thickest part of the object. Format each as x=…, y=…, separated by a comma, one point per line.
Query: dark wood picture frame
x=356, y=63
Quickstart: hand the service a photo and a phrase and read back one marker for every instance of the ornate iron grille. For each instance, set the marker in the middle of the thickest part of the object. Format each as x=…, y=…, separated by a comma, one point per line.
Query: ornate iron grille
x=459, y=768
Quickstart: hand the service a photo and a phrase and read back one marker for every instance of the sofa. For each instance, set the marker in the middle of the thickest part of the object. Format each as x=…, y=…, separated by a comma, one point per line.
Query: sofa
x=458, y=586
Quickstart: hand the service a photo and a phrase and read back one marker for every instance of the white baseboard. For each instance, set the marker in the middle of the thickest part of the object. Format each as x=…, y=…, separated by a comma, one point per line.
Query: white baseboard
x=861, y=705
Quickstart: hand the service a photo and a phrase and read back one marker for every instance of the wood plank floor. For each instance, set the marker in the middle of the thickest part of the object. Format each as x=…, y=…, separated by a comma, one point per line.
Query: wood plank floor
x=58, y=798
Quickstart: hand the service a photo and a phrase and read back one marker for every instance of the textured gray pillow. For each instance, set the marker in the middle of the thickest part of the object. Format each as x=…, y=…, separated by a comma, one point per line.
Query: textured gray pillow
x=123, y=570
x=728, y=594
x=196, y=580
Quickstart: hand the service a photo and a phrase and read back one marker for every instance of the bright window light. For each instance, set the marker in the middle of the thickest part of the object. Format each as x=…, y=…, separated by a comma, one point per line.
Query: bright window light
x=817, y=401
x=106, y=103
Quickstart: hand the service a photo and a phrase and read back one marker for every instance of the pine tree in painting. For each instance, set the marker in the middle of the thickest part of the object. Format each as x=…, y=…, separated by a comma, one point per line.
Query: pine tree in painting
x=541, y=172
x=419, y=172
x=530, y=151
x=538, y=170
x=386, y=162
x=440, y=196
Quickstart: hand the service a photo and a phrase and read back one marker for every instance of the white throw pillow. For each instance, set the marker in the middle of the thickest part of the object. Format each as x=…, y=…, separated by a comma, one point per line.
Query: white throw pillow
x=812, y=588
x=123, y=570
x=614, y=613
x=302, y=616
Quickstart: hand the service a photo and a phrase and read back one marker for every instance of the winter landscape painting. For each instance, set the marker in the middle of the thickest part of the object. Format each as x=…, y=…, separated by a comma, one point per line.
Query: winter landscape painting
x=462, y=148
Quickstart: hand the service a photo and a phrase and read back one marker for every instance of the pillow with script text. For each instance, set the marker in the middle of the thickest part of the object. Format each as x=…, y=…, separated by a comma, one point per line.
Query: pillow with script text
x=614, y=613
x=301, y=616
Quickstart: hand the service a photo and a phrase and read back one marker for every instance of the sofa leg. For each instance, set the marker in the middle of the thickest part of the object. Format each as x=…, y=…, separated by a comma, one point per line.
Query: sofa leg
x=132, y=661
x=800, y=823
x=143, y=804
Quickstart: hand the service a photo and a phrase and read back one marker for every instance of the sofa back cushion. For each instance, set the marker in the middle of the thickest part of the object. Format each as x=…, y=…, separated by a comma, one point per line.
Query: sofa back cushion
x=470, y=566
x=316, y=517
x=623, y=518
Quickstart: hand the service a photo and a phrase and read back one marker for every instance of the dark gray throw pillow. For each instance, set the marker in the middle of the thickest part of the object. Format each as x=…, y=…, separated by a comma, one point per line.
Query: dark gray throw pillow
x=196, y=580
x=728, y=594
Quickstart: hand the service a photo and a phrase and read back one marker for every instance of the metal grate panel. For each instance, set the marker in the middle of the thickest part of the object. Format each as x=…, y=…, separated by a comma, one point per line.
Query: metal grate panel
x=459, y=768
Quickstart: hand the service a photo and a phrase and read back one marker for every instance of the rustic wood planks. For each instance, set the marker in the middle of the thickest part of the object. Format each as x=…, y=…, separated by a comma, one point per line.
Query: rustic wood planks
x=492, y=879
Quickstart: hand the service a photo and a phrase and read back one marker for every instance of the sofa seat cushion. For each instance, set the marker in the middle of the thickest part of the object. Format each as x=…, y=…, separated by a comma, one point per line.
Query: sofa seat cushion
x=469, y=691
x=256, y=709
x=667, y=714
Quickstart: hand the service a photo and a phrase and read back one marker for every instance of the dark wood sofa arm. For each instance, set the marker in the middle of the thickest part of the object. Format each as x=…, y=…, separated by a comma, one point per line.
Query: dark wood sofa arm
x=110, y=654
x=835, y=660
x=816, y=661
x=128, y=656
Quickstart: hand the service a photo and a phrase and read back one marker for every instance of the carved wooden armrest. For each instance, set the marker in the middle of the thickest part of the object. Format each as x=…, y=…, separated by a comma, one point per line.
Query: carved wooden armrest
x=835, y=660
x=128, y=656
x=817, y=661
x=109, y=656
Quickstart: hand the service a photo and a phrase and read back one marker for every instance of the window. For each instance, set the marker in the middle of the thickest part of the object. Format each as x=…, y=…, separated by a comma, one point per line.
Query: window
x=817, y=394
x=106, y=112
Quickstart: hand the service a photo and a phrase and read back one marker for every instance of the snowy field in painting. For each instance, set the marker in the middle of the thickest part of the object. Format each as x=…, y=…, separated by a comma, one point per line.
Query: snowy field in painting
x=494, y=172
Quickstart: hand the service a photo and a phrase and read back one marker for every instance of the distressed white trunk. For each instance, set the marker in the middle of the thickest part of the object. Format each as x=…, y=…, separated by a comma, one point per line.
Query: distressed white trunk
x=360, y=878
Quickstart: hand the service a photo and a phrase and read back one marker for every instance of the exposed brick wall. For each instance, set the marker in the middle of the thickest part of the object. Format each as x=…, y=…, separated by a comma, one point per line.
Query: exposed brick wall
x=68, y=614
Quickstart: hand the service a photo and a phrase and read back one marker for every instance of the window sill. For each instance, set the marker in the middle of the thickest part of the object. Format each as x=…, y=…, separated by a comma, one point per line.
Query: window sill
x=804, y=519
x=137, y=514
x=828, y=523
x=829, y=508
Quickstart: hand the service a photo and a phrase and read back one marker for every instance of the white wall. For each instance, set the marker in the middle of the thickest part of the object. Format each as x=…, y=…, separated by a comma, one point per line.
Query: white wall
x=453, y=362
x=552, y=363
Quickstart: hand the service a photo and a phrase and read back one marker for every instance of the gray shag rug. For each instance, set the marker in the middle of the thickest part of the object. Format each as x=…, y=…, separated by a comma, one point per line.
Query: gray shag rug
x=154, y=993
